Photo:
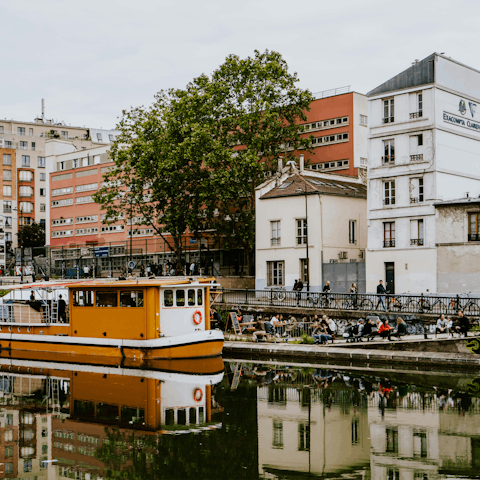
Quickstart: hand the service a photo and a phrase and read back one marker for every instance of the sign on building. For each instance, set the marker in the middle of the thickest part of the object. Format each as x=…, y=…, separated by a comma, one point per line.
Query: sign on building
x=102, y=252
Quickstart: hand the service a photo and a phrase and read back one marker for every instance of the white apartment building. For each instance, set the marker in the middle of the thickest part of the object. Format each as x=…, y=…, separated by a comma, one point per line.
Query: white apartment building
x=424, y=147
x=313, y=221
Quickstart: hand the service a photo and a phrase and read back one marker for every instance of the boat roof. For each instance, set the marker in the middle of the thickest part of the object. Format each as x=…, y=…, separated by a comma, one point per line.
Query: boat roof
x=115, y=283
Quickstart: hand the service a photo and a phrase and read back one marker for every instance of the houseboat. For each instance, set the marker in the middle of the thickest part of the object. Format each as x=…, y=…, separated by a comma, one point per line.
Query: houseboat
x=109, y=321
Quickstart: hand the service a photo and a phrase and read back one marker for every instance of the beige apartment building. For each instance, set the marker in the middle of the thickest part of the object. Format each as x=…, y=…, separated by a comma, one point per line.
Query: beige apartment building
x=26, y=200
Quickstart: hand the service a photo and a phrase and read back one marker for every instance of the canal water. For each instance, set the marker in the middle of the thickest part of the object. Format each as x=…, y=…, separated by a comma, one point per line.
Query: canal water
x=236, y=420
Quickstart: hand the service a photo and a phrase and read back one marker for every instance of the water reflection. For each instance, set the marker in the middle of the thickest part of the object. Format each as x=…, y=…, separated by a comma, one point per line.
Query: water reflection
x=75, y=421
x=334, y=424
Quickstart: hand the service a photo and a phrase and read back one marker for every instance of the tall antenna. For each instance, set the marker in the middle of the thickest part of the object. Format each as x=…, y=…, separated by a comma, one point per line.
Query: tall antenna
x=43, y=109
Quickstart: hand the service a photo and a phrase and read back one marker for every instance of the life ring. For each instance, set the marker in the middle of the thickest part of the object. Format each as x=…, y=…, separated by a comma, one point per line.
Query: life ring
x=198, y=395
x=197, y=320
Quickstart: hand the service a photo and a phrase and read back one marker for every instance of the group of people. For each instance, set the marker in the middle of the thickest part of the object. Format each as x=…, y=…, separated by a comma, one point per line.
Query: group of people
x=371, y=328
x=324, y=330
x=446, y=325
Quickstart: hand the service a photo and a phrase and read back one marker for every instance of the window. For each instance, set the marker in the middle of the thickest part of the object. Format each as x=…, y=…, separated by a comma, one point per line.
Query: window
x=416, y=232
x=43, y=207
x=8, y=144
x=8, y=222
x=420, y=443
x=27, y=465
x=275, y=229
x=62, y=221
x=30, y=132
x=388, y=151
x=25, y=176
x=131, y=298
x=42, y=177
x=99, y=137
x=62, y=191
x=304, y=270
x=388, y=111
x=420, y=139
x=275, y=273
x=277, y=434
x=25, y=160
x=26, y=207
x=86, y=231
x=21, y=130
x=392, y=440
x=62, y=203
x=389, y=234
x=84, y=188
x=363, y=120
x=88, y=199
x=363, y=162
x=110, y=137
x=64, y=134
x=7, y=159
x=41, y=162
x=355, y=428
x=7, y=206
x=25, y=191
x=43, y=192
x=352, y=231
x=83, y=298
x=303, y=437
x=7, y=191
x=8, y=467
x=106, y=299
x=1, y=128
x=8, y=451
x=87, y=219
x=416, y=190
x=112, y=228
x=33, y=146
x=474, y=227
x=389, y=192
x=301, y=232
x=7, y=175
x=23, y=145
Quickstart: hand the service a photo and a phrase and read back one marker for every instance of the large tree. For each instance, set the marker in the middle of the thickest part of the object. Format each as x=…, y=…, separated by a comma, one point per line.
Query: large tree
x=256, y=111
x=158, y=178
x=32, y=236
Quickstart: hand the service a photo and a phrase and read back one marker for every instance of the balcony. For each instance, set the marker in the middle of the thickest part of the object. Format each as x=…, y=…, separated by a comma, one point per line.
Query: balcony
x=474, y=237
x=275, y=241
x=388, y=243
x=389, y=201
x=416, y=115
x=416, y=158
x=416, y=241
x=388, y=119
x=388, y=159
x=7, y=210
x=416, y=200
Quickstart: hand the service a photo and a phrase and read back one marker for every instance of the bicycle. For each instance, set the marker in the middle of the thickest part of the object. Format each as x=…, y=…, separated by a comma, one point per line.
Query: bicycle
x=423, y=304
x=471, y=306
x=352, y=302
x=321, y=300
x=396, y=303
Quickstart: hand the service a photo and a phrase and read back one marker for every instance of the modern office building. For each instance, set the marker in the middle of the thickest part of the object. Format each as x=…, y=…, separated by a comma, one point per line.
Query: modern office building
x=424, y=148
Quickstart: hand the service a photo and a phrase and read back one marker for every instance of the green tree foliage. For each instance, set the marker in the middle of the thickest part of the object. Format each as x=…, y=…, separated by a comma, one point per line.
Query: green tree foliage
x=197, y=155
x=32, y=235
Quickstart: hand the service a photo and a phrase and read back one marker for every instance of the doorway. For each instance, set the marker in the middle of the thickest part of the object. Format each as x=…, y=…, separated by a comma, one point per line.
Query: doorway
x=390, y=277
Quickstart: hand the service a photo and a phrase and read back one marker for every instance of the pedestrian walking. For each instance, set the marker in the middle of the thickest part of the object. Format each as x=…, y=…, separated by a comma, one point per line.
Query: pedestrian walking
x=381, y=294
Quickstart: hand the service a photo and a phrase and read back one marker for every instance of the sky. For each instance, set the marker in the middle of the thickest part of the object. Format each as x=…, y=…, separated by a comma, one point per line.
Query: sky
x=91, y=59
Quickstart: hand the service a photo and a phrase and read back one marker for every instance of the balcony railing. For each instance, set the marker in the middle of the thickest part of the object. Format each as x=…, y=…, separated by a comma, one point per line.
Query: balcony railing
x=389, y=201
x=388, y=243
x=474, y=237
x=388, y=159
x=416, y=199
x=275, y=241
x=416, y=114
x=416, y=158
x=7, y=210
x=388, y=119
x=416, y=241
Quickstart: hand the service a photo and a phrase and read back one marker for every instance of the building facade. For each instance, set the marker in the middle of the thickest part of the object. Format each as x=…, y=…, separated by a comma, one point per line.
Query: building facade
x=423, y=148
x=339, y=124
x=307, y=220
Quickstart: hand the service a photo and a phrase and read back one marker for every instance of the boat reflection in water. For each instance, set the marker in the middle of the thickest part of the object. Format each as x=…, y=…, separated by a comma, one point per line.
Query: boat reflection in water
x=329, y=423
x=84, y=422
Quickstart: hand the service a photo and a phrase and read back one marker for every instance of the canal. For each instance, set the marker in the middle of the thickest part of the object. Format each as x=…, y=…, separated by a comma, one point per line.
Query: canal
x=236, y=420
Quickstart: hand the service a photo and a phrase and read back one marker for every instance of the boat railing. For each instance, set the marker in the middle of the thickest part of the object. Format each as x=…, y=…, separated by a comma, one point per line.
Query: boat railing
x=26, y=314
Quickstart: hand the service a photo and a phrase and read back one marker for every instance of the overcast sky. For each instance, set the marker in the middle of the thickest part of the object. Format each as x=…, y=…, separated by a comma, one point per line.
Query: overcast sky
x=93, y=58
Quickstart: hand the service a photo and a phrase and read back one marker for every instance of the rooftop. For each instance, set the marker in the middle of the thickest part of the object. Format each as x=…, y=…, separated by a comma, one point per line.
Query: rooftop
x=459, y=201
x=301, y=184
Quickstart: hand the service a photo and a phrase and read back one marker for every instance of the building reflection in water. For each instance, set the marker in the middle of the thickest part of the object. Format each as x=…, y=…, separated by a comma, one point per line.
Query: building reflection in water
x=68, y=421
x=338, y=425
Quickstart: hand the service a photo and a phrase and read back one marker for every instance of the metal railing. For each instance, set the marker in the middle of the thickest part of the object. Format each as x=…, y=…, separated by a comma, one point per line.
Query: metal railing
x=474, y=237
x=388, y=159
x=332, y=92
x=369, y=302
x=388, y=119
x=416, y=158
x=418, y=114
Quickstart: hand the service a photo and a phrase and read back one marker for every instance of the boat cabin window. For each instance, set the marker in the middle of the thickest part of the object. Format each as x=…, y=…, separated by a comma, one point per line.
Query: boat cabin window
x=191, y=297
x=200, y=296
x=168, y=298
x=106, y=299
x=83, y=298
x=131, y=298
x=180, y=298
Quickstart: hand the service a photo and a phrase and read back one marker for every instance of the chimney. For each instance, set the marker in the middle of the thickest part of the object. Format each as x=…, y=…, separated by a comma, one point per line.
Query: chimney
x=302, y=162
x=280, y=164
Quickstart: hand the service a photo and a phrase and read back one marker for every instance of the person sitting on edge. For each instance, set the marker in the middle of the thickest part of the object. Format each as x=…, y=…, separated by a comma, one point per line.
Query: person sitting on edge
x=463, y=324
x=367, y=328
x=401, y=328
x=320, y=335
x=384, y=330
x=449, y=327
x=441, y=325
